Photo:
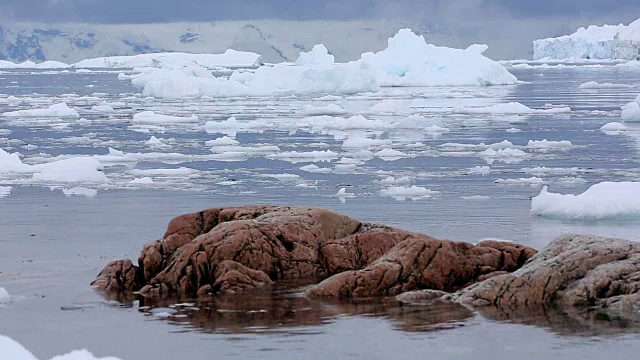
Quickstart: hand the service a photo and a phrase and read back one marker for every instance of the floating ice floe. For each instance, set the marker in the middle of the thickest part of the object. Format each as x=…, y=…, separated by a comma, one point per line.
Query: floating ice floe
x=331, y=109
x=614, y=127
x=631, y=111
x=507, y=155
x=150, y=117
x=391, y=154
x=231, y=126
x=312, y=168
x=80, y=191
x=542, y=171
x=56, y=110
x=546, y=145
x=76, y=169
x=222, y=141
x=512, y=108
x=419, y=122
x=363, y=143
x=324, y=122
x=413, y=192
x=602, y=200
x=12, y=350
x=141, y=181
x=103, y=108
x=179, y=172
x=532, y=181
x=596, y=85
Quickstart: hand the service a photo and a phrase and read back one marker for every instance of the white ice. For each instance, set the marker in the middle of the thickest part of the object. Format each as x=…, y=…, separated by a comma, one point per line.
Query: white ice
x=5, y=298
x=602, y=200
x=631, y=111
x=80, y=191
x=596, y=85
x=5, y=191
x=150, y=117
x=12, y=350
x=546, y=145
x=331, y=109
x=56, y=110
x=319, y=55
x=413, y=192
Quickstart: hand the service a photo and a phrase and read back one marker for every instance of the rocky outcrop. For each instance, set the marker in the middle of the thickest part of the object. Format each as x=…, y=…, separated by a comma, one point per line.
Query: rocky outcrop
x=226, y=250
x=422, y=262
x=572, y=272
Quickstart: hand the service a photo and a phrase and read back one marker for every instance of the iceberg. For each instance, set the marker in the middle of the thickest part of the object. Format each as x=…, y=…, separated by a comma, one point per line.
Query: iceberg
x=602, y=200
x=407, y=61
x=595, y=42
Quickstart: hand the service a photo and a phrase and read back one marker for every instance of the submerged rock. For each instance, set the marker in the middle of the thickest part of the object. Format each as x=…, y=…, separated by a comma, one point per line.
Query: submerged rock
x=226, y=250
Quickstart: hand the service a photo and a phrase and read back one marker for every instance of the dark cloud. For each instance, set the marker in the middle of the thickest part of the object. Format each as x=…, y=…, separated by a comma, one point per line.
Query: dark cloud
x=130, y=11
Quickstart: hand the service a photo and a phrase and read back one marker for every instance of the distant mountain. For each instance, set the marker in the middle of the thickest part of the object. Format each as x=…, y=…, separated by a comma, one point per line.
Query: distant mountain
x=276, y=41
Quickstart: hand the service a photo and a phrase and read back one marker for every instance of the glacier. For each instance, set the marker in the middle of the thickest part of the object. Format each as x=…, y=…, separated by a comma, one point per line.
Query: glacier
x=607, y=42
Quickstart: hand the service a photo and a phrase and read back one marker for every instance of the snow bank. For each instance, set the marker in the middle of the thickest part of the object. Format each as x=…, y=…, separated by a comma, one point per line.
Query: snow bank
x=230, y=58
x=509, y=108
x=594, y=42
x=602, y=200
x=631, y=111
x=56, y=110
x=12, y=350
x=407, y=61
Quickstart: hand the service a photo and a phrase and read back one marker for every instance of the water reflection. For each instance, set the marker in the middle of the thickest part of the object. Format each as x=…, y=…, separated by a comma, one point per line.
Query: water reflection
x=283, y=310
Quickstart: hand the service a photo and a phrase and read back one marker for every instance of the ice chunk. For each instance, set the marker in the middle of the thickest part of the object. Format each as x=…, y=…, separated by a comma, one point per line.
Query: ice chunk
x=80, y=191
x=143, y=180
x=508, y=155
x=391, y=154
x=342, y=195
x=104, y=108
x=56, y=110
x=596, y=85
x=363, y=143
x=614, y=126
x=12, y=350
x=10, y=162
x=532, y=181
x=222, y=141
x=413, y=192
x=409, y=61
x=312, y=168
x=631, y=111
x=319, y=55
x=594, y=42
x=181, y=171
x=602, y=200
x=331, y=109
x=545, y=145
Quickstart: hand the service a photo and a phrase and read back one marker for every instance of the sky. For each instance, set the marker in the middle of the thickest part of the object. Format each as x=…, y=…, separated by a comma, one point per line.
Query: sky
x=507, y=26
x=143, y=11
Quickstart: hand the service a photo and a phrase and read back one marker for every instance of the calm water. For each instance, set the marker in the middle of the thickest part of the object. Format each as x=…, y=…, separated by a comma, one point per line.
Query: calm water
x=52, y=245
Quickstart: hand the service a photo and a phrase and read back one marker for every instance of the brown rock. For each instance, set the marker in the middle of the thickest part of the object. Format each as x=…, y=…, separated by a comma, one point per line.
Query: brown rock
x=572, y=271
x=422, y=262
x=116, y=276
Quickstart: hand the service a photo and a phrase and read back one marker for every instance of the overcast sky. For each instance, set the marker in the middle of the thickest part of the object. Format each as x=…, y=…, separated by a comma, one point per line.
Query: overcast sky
x=128, y=11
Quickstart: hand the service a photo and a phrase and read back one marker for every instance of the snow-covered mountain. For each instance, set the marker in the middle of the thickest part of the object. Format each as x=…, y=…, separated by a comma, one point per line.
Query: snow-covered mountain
x=276, y=41
x=616, y=42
